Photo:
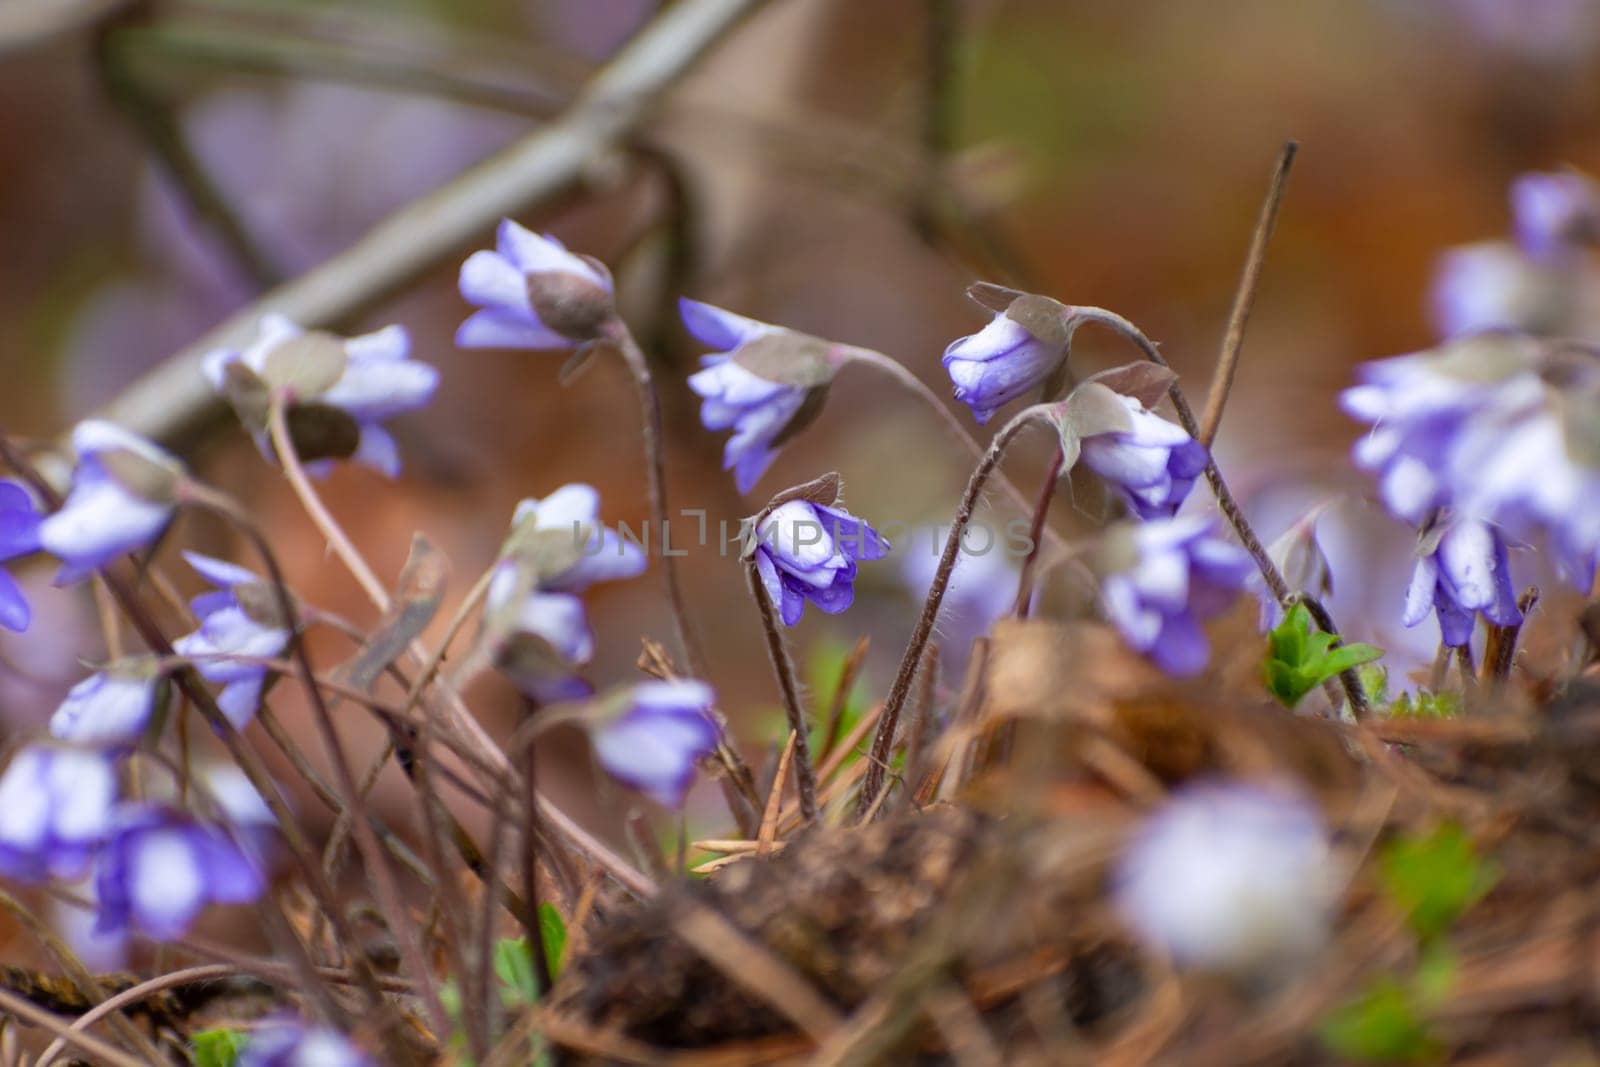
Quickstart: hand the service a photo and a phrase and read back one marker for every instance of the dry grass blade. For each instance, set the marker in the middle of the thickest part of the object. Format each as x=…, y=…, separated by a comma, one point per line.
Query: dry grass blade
x=769, y=818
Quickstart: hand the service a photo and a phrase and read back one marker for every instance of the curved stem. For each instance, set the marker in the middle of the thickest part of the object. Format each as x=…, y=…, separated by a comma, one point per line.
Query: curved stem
x=883, y=740
x=900, y=373
x=783, y=666
x=655, y=469
x=205, y=972
x=1041, y=514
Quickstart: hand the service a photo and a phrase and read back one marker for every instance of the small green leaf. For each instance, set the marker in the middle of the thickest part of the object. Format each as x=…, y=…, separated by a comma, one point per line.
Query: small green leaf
x=1299, y=660
x=553, y=931
x=217, y=1048
x=1375, y=683
x=1435, y=975
x=1380, y=1026
x=1435, y=878
x=513, y=965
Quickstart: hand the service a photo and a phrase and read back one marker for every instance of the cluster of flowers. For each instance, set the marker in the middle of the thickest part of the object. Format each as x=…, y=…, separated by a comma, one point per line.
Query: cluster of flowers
x=1490, y=438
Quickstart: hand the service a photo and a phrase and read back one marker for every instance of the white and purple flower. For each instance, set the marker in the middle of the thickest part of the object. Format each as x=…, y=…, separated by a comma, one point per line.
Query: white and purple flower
x=160, y=868
x=593, y=552
x=1461, y=572
x=532, y=293
x=354, y=384
x=1161, y=578
x=230, y=638
x=19, y=535
x=1006, y=359
x=1230, y=876
x=806, y=551
x=1153, y=464
x=292, y=1044
x=766, y=384
x=652, y=737
x=120, y=499
x=109, y=709
x=55, y=810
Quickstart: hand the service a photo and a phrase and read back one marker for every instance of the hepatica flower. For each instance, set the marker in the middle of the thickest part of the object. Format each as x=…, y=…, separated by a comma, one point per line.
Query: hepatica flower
x=1020, y=348
x=229, y=628
x=340, y=389
x=19, y=535
x=766, y=384
x=651, y=736
x=1554, y=213
x=806, y=551
x=122, y=495
x=55, y=809
x=533, y=293
x=1229, y=876
x=109, y=709
x=160, y=868
x=1160, y=579
x=292, y=1044
x=1153, y=463
x=576, y=549
x=1461, y=572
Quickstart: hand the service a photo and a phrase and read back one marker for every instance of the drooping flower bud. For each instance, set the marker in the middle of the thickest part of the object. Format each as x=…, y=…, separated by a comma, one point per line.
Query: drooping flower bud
x=340, y=390
x=232, y=626
x=1462, y=570
x=806, y=550
x=123, y=491
x=1023, y=345
x=111, y=708
x=533, y=294
x=1160, y=578
x=651, y=736
x=766, y=384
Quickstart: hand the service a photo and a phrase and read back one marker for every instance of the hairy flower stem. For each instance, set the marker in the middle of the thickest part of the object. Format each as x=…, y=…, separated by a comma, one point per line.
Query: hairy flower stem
x=896, y=370
x=618, y=333
x=1041, y=514
x=883, y=741
x=805, y=774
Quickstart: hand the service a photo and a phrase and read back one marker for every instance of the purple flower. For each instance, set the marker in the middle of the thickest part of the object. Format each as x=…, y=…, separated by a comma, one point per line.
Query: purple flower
x=1000, y=363
x=766, y=384
x=105, y=515
x=1553, y=213
x=806, y=551
x=591, y=552
x=160, y=867
x=1462, y=570
x=291, y=1044
x=1487, y=286
x=654, y=735
x=1153, y=464
x=533, y=294
x=367, y=378
x=19, y=535
x=55, y=810
x=227, y=630
x=109, y=709
x=982, y=588
x=1230, y=876
x=1165, y=576
x=543, y=641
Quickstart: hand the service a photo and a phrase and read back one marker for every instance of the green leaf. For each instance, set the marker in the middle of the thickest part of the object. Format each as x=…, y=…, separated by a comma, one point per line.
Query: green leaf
x=1299, y=660
x=1375, y=682
x=1380, y=1026
x=217, y=1048
x=553, y=931
x=1435, y=975
x=1426, y=706
x=513, y=965
x=1435, y=878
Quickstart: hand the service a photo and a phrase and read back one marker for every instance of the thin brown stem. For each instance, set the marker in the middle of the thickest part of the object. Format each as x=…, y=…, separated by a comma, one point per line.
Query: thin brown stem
x=1041, y=515
x=1244, y=298
x=883, y=740
x=783, y=666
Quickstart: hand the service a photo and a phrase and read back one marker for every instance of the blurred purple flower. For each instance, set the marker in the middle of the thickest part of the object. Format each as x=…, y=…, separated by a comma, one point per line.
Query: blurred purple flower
x=652, y=740
x=1153, y=465
x=547, y=639
x=110, y=708
x=378, y=380
x=1554, y=213
x=1165, y=576
x=292, y=1044
x=998, y=364
x=982, y=588
x=806, y=551
x=1539, y=31
x=762, y=410
x=533, y=294
x=1230, y=876
x=19, y=535
x=227, y=630
x=1488, y=286
x=102, y=517
x=160, y=868
x=1462, y=570
x=55, y=810
x=573, y=510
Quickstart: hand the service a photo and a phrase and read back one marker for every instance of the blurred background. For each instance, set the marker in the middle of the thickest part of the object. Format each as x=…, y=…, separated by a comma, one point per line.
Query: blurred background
x=839, y=167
